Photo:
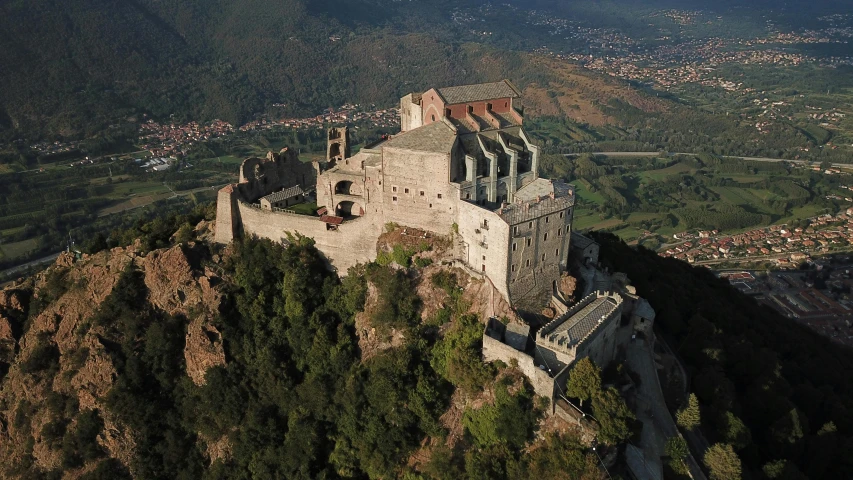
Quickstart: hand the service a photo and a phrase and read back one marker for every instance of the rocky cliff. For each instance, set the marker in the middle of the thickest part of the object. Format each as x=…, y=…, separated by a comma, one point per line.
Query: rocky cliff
x=58, y=363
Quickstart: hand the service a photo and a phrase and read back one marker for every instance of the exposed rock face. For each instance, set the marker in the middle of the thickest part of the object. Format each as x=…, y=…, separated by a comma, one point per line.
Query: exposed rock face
x=568, y=284
x=85, y=369
x=203, y=349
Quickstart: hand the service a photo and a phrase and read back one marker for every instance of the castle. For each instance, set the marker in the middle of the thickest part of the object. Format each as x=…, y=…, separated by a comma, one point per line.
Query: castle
x=462, y=163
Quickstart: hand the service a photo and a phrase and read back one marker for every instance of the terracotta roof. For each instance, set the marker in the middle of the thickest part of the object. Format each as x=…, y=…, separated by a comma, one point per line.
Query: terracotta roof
x=332, y=220
x=478, y=92
x=436, y=137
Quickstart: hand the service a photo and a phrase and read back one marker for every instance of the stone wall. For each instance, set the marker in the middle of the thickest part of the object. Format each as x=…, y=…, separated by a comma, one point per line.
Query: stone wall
x=542, y=383
x=538, y=255
x=419, y=181
x=353, y=242
x=485, y=244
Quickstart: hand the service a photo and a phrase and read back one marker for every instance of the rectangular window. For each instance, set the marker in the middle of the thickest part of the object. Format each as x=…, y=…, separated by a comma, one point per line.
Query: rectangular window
x=515, y=230
x=530, y=225
x=513, y=268
x=546, y=219
x=528, y=241
x=484, y=258
x=557, y=252
x=543, y=257
x=394, y=199
x=514, y=246
x=439, y=196
x=561, y=214
x=394, y=188
x=422, y=193
x=527, y=263
x=407, y=190
x=546, y=237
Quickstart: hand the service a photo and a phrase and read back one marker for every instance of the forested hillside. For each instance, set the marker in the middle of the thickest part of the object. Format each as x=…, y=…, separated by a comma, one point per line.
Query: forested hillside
x=775, y=391
x=74, y=67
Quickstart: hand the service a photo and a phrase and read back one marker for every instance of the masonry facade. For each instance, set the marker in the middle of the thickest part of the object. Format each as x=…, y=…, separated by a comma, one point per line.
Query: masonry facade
x=462, y=162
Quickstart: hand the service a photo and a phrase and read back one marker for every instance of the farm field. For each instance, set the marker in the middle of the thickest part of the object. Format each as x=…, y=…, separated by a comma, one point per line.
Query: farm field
x=633, y=197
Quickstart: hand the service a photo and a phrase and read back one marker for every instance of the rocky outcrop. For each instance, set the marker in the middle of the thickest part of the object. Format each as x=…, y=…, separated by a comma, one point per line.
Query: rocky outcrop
x=85, y=372
x=203, y=349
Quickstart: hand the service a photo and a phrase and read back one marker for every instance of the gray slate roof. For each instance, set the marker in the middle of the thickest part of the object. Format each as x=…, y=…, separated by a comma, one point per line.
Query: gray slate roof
x=284, y=194
x=581, y=241
x=578, y=326
x=478, y=92
x=437, y=137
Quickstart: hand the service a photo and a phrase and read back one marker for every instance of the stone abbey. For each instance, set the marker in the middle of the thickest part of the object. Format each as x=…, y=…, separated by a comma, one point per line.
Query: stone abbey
x=462, y=163
x=462, y=166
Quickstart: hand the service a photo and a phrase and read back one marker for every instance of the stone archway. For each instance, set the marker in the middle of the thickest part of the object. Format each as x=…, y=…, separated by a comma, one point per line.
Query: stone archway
x=348, y=209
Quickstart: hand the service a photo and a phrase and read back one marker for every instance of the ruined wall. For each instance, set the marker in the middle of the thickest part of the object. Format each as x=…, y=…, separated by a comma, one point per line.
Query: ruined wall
x=485, y=249
x=353, y=242
x=430, y=202
x=262, y=176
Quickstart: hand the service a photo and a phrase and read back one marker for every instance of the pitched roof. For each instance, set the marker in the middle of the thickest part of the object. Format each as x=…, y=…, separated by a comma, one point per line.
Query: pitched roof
x=284, y=194
x=478, y=92
x=437, y=137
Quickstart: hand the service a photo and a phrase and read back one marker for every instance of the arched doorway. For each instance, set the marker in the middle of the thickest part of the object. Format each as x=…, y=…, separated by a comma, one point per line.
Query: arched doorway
x=348, y=209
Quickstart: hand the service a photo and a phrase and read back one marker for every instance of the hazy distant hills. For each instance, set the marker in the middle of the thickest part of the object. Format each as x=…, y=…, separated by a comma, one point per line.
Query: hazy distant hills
x=74, y=67
x=67, y=63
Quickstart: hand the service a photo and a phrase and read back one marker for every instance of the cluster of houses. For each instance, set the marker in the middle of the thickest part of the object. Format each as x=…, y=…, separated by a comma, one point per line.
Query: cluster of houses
x=347, y=113
x=168, y=140
x=788, y=246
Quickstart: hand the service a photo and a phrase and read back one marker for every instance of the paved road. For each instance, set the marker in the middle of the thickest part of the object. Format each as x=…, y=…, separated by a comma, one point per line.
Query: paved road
x=658, y=424
x=33, y=263
x=671, y=154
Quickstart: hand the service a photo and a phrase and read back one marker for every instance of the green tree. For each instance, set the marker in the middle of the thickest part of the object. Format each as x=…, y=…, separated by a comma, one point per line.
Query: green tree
x=689, y=417
x=722, y=462
x=584, y=380
x=613, y=416
x=509, y=421
x=734, y=432
x=676, y=450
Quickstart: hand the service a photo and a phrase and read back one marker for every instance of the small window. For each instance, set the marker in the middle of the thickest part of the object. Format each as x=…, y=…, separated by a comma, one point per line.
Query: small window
x=484, y=267
x=546, y=237
x=543, y=257
x=380, y=182
x=394, y=199
x=407, y=190
x=430, y=205
x=513, y=268
x=506, y=104
x=557, y=252
x=561, y=214
x=514, y=246
x=394, y=189
x=547, y=218
x=484, y=258
x=515, y=230
x=439, y=196
x=422, y=193
x=559, y=232
x=527, y=263
x=447, y=113
x=528, y=241
x=433, y=119
x=470, y=109
x=467, y=196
